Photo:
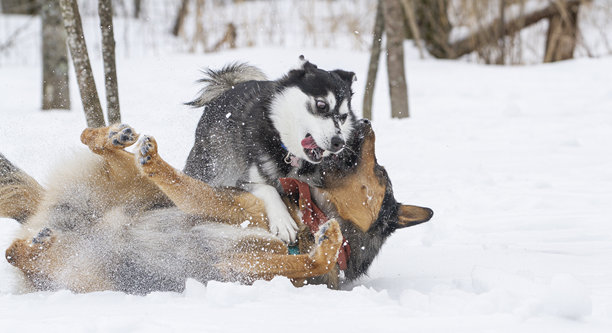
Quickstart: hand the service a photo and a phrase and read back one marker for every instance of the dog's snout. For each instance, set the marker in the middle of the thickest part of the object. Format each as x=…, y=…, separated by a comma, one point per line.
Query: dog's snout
x=337, y=143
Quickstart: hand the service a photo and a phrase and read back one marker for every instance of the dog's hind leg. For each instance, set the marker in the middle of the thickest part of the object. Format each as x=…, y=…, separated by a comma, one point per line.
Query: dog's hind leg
x=265, y=265
x=193, y=196
x=20, y=194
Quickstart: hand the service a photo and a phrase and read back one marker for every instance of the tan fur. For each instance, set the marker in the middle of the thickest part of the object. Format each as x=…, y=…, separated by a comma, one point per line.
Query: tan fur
x=18, y=200
x=119, y=182
x=193, y=196
x=358, y=197
x=263, y=265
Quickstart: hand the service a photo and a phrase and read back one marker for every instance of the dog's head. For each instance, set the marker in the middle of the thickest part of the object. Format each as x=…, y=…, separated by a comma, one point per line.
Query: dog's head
x=361, y=191
x=312, y=111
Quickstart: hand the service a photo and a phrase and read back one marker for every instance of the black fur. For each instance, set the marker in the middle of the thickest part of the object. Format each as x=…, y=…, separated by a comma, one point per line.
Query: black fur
x=235, y=131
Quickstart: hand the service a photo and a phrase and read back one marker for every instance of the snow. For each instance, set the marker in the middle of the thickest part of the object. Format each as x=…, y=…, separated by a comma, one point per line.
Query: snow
x=513, y=160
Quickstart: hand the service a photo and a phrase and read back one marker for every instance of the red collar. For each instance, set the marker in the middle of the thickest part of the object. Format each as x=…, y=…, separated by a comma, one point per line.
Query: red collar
x=312, y=216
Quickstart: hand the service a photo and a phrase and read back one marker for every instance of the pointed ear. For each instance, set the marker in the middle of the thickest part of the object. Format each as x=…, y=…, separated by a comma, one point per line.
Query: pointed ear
x=348, y=77
x=409, y=216
x=305, y=65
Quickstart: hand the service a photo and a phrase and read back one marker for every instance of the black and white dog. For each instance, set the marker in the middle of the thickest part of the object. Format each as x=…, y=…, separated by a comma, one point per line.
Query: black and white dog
x=254, y=131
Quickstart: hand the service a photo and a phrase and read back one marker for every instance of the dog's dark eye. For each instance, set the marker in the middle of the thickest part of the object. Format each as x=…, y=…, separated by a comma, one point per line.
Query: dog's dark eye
x=342, y=118
x=321, y=105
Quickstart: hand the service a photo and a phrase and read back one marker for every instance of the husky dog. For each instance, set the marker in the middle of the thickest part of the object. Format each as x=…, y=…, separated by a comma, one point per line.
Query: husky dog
x=108, y=223
x=254, y=131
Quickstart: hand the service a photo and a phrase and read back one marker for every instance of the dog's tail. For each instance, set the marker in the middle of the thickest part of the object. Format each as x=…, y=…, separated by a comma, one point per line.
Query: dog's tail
x=219, y=81
x=20, y=194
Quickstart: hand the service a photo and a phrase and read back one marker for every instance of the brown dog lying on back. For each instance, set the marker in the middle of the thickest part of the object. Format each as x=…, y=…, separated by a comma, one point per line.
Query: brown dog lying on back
x=111, y=223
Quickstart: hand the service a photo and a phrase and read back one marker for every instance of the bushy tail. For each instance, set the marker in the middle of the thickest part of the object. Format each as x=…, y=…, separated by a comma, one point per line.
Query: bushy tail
x=219, y=81
x=20, y=194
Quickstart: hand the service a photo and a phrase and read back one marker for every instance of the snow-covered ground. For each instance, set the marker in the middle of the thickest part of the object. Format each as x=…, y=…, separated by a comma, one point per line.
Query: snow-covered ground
x=515, y=162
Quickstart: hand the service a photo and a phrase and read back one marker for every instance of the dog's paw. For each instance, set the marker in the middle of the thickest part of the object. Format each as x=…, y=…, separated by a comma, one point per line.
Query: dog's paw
x=328, y=240
x=121, y=135
x=282, y=225
x=24, y=253
x=146, y=150
x=43, y=236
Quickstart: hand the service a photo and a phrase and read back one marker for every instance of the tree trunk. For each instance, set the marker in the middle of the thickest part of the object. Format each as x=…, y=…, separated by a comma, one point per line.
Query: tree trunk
x=412, y=23
x=199, y=37
x=502, y=27
x=105, y=11
x=434, y=25
x=137, y=8
x=80, y=60
x=394, y=27
x=23, y=7
x=562, y=32
x=55, y=88
x=490, y=33
x=180, y=18
x=379, y=28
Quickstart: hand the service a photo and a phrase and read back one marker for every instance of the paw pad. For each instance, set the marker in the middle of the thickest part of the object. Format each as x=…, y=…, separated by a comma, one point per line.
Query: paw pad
x=122, y=135
x=40, y=237
x=145, y=150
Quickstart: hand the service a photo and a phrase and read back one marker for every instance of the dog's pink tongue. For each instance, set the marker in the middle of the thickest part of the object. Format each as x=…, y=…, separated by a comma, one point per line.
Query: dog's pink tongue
x=309, y=143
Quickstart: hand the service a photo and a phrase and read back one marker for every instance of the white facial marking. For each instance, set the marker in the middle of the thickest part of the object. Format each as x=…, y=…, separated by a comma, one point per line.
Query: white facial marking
x=293, y=121
x=347, y=127
x=331, y=100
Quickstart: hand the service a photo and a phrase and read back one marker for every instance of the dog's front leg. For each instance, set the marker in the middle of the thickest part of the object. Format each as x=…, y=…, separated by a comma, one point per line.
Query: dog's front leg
x=280, y=221
x=265, y=265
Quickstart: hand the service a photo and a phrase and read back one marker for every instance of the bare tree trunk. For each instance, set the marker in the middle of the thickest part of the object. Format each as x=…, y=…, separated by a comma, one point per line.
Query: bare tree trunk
x=199, y=37
x=56, y=91
x=562, y=32
x=412, y=23
x=502, y=27
x=394, y=27
x=137, y=8
x=490, y=33
x=379, y=29
x=229, y=38
x=24, y=7
x=180, y=18
x=434, y=25
x=82, y=67
x=105, y=11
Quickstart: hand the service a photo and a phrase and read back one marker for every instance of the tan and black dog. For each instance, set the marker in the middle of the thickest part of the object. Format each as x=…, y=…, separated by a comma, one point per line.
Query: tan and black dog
x=108, y=222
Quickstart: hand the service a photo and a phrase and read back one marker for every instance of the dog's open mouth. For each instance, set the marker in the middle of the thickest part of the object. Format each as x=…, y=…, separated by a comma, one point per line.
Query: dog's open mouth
x=312, y=150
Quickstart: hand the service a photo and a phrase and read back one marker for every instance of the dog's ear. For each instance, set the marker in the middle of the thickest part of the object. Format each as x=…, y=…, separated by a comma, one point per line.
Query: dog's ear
x=303, y=67
x=409, y=216
x=348, y=77
x=306, y=65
